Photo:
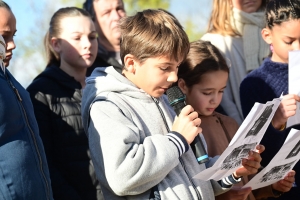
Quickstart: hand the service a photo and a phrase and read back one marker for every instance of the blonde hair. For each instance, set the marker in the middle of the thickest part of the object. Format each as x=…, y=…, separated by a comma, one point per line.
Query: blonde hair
x=152, y=33
x=220, y=18
x=55, y=30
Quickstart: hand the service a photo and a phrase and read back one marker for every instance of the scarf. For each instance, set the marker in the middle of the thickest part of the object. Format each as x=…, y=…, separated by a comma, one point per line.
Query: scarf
x=2, y=53
x=249, y=26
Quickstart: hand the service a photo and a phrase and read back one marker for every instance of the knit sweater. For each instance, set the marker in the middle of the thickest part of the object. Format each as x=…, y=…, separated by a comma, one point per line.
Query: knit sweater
x=264, y=84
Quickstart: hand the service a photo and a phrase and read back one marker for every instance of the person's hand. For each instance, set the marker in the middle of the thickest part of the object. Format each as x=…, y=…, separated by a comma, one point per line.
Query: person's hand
x=286, y=183
x=187, y=124
x=286, y=109
x=250, y=164
x=235, y=193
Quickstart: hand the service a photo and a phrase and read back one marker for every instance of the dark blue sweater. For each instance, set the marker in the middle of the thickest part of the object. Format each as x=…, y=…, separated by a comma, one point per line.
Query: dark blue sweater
x=264, y=84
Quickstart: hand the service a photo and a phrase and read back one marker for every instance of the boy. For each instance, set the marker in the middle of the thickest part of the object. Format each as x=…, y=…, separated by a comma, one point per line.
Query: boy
x=137, y=150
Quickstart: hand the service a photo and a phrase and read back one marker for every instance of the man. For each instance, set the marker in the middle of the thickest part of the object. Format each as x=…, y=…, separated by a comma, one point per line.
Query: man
x=106, y=15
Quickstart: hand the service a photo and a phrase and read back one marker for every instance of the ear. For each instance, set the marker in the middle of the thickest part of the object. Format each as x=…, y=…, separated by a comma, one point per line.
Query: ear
x=266, y=35
x=182, y=86
x=130, y=62
x=55, y=43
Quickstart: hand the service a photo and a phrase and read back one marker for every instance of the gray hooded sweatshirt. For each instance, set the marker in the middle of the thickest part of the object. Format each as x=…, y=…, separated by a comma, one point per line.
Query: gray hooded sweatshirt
x=134, y=154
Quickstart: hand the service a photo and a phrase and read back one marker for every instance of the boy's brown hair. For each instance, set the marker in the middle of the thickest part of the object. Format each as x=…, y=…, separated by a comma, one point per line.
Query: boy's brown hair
x=152, y=33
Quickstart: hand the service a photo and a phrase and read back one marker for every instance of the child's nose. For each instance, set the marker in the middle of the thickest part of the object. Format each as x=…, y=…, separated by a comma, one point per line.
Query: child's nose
x=87, y=43
x=173, y=77
x=297, y=45
x=214, y=98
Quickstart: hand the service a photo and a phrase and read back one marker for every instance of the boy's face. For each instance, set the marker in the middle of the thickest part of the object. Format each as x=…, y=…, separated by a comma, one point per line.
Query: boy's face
x=155, y=75
x=206, y=96
x=284, y=38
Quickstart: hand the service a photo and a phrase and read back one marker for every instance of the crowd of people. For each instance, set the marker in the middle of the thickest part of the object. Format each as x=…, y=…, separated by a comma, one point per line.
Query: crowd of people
x=96, y=123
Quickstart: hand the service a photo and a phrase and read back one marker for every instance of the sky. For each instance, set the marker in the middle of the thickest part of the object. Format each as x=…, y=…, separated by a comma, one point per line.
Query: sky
x=30, y=13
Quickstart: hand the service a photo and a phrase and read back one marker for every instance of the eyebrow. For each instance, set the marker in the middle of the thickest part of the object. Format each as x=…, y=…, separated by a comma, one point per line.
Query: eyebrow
x=213, y=88
x=81, y=32
x=289, y=37
x=165, y=63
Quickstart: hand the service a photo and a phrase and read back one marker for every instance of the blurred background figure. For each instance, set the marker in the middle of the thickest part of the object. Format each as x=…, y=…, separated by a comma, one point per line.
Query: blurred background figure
x=106, y=15
x=23, y=168
x=192, y=14
x=235, y=29
x=71, y=47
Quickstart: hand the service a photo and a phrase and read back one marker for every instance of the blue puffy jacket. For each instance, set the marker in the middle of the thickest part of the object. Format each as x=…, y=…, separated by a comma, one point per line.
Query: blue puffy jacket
x=24, y=172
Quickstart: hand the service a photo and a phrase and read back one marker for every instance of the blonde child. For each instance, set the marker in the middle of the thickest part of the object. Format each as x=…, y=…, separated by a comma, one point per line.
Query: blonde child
x=71, y=46
x=234, y=28
x=202, y=77
x=138, y=150
x=270, y=80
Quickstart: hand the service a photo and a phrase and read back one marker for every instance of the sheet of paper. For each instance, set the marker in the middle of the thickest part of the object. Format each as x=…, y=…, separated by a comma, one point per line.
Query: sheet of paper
x=294, y=83
x=246, y=138
x=281, y=164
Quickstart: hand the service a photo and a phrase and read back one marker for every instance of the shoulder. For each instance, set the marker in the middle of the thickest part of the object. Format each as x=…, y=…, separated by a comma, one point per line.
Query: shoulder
x=226, y=44
x=260, y=76
x=216, y=38
x=41, y=84
x=227, y=120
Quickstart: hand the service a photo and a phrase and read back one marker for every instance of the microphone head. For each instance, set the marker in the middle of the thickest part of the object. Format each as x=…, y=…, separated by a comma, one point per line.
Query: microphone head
x=176, y=98
x=174, y=95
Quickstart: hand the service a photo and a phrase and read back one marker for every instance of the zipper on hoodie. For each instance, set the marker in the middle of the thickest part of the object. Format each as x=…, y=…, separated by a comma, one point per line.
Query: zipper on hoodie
x=181, y=161
x=31, y=132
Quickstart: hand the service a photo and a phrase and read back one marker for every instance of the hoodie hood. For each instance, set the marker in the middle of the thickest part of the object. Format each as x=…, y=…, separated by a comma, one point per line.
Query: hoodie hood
x=57, y=75
x=105, y=80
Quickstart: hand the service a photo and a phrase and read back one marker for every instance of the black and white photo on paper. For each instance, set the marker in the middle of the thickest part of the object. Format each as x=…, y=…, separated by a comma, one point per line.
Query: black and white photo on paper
x=234, y=159
x=276, y=172
x=259, y=123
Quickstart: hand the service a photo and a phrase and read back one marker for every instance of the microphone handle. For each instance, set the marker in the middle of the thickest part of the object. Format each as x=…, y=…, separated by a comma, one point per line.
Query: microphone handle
x=199, y=150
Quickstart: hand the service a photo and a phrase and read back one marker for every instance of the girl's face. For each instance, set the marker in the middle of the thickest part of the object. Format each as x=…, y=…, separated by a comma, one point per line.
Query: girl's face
x=247, y=6
x=284, y=38
x=206, y=96
x=77, y=44
x=8, y=30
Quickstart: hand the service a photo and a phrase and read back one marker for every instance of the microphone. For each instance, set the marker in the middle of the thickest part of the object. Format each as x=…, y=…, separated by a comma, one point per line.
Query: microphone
x=177, y=101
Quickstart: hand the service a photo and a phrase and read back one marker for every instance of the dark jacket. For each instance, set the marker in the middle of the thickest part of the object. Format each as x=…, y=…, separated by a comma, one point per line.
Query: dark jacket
x=56, y=98
x=264, y=84
x=24, y=171
x=103, y=59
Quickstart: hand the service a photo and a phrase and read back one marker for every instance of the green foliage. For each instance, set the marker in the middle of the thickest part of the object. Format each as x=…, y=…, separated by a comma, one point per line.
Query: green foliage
x=76, y=3
x=132, y=6
x=191, y=31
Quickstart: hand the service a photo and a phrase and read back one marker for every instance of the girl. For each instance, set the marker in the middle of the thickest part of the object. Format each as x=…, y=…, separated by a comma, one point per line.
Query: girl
x=234, y=28
x=71, y=46
x=202, y=77
x=23, y=167
x=270, y=80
